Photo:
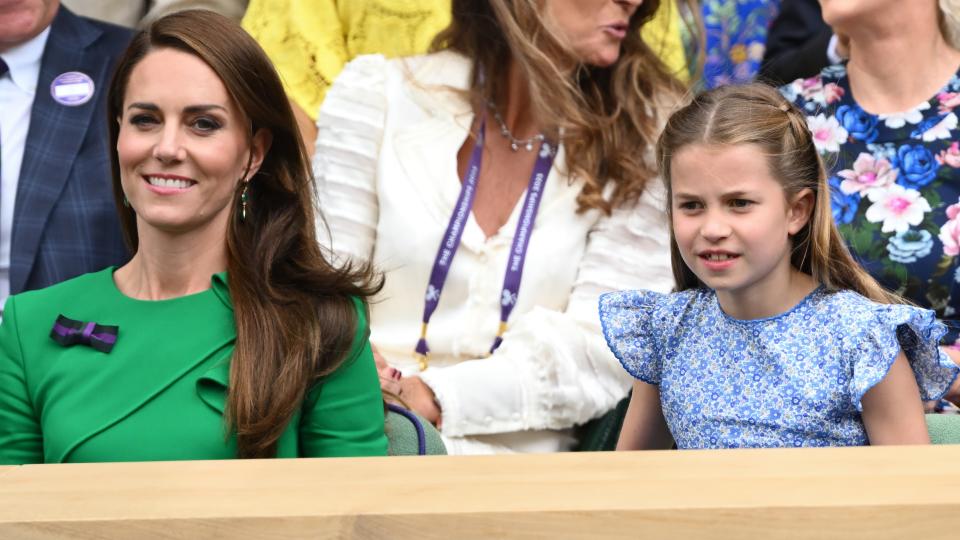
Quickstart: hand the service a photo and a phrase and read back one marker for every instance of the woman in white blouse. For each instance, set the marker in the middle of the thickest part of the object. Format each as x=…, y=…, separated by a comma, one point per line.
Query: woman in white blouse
x=542, y=118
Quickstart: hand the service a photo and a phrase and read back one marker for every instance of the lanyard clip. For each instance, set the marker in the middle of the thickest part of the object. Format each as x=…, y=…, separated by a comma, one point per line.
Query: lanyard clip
x=422, y=350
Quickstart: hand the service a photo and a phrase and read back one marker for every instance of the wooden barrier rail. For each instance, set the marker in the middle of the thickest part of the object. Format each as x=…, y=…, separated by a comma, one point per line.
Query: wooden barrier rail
x=871, y=493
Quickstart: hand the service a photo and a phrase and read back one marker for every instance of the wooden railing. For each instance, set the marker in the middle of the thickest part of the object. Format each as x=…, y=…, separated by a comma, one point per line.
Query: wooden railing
x=871, y=493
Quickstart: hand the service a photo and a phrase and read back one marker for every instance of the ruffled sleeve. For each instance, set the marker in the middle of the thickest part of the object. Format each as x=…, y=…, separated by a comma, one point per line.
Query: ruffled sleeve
x=349, y=134
x=917, y=332
x=628, y=322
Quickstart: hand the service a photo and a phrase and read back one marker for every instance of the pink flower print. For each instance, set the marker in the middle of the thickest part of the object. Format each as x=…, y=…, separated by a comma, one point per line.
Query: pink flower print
x=948, y=101
x=950, y=156
x=832, y=92
x=811, y=87
x=868, y=173
x=953, y=210
x=828, y=134
x=897, y=207
x=950, y=236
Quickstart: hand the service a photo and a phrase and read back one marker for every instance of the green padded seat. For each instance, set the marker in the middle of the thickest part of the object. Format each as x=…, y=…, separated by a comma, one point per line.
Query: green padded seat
x=944, y=428
x=408, y=434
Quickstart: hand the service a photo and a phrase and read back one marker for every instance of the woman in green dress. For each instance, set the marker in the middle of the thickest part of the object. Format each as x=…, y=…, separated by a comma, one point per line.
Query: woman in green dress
x=227, y=334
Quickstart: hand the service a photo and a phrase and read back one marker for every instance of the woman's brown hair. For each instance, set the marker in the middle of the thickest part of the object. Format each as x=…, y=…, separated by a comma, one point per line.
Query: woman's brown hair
x=758, y=115
x=294, y=314
x=608, y=116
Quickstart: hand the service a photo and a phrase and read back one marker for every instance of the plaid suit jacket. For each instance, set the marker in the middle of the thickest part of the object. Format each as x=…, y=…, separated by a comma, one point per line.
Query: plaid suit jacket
x=65, y=222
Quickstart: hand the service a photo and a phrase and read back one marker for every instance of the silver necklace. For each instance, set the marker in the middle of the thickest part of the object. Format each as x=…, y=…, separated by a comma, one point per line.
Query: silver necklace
x=515, y=143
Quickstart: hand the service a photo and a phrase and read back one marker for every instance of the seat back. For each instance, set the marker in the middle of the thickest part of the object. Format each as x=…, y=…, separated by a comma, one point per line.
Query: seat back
x=944, y=428
x=410, y=435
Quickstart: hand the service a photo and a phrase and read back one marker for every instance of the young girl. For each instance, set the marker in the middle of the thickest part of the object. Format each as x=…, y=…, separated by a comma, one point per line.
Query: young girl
x=776, y=336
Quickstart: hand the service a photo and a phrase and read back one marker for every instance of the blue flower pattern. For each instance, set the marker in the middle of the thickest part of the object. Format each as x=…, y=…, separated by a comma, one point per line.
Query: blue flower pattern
x=858, y=123
x=795, y=379
x=736, y=37
x=922, y=272
x=910, y=246
x=917, y=164
x=926, y=125
x=844, y=206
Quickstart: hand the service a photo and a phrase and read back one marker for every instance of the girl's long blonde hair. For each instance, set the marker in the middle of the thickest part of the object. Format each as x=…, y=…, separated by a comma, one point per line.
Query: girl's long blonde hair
x=757, y=114
x=608, y=116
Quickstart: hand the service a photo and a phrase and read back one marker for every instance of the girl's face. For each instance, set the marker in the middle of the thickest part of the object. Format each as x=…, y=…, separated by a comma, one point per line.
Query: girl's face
x=183, y=144
x=593, y=28
x=732, y=220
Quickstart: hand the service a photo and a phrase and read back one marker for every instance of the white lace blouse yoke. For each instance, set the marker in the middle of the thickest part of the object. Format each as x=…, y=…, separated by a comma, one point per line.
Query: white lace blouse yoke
x=386, y=167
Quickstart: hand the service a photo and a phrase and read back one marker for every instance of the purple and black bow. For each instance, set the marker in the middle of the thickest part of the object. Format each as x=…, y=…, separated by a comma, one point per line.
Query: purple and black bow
x=69, y=332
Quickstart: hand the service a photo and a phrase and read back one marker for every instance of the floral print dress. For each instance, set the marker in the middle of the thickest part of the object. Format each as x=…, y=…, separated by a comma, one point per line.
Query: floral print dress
x=736, y=38
x=795, y=379
x=895, y=186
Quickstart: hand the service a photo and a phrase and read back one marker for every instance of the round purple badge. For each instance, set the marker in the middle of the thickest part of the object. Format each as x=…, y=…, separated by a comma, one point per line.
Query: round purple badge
x=72, y=88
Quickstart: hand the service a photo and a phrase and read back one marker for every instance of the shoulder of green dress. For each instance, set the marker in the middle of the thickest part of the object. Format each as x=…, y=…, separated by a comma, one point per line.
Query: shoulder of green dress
x=361, y=307
x=78, y=289
x=362, y=333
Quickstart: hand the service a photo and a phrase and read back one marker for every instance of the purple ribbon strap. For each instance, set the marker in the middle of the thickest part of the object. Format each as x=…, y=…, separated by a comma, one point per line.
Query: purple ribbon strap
x=451, y=241
x=68, y=332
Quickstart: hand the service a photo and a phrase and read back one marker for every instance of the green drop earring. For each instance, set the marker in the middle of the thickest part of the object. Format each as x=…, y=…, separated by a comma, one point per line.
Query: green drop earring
x=243, y=202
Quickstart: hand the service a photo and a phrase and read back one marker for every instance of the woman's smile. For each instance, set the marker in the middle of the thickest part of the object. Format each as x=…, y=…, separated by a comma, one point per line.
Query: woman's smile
x=168, y=184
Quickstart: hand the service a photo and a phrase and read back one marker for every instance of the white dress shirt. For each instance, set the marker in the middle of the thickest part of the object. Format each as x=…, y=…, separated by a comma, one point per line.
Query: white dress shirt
x=17, y=90
x=386, y=167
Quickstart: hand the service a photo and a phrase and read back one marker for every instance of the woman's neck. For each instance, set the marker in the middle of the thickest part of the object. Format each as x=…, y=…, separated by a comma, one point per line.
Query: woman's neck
x=514, y=103
x=173, y=265
x=898, y=62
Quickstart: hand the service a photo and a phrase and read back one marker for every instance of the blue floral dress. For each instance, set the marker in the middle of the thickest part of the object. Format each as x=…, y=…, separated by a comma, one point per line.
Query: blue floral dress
x=795, y=379
x=895, y=185
x=736, y=38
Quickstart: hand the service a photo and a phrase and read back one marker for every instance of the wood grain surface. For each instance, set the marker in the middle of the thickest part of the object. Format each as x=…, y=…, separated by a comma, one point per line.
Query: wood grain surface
x=883, y=492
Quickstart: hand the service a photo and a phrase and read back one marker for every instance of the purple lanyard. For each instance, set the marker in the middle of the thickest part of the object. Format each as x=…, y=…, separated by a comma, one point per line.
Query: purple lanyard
x=451, y=241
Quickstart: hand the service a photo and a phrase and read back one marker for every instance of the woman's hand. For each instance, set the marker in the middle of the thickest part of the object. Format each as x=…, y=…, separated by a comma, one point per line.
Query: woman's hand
x=420, y=399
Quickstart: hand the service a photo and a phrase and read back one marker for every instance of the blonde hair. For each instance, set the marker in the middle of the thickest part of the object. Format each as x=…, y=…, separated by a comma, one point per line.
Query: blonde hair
x=950, y=22
x=607, y=115
x=757, y=114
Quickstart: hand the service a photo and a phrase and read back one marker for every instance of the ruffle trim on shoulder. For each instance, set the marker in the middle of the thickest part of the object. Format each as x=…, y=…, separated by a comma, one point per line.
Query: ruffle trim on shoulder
x=351, y=123
x=359, y=94
x=626, y=319
x=916, y=332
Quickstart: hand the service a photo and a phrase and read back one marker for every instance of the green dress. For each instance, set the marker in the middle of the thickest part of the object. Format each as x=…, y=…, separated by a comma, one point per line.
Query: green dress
x=160, y=393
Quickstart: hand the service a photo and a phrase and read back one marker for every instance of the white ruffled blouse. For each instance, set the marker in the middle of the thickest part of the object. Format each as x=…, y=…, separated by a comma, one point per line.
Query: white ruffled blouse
x=386, y=167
